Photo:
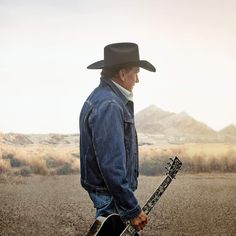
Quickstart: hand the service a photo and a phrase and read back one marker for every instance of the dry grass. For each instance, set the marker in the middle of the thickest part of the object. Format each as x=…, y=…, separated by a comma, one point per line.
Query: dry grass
x=196, y=158
x=4, y=166
x=43, y=159
x=51, y=160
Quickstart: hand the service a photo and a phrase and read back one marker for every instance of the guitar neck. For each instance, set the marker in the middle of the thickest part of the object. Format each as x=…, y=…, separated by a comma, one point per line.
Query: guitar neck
x=156, y=195
x=129, y=230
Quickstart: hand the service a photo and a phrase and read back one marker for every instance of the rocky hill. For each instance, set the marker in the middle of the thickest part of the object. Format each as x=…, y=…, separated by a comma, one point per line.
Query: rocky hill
x=36, y=139
x=228, y=133
x=177, y=128
x=154, y=126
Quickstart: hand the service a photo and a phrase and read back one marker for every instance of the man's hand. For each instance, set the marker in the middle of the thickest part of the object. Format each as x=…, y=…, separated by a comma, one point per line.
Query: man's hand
x=139, y=222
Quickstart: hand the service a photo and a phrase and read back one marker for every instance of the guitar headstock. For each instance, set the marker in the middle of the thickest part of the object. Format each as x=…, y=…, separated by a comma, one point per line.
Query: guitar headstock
x=173, y=167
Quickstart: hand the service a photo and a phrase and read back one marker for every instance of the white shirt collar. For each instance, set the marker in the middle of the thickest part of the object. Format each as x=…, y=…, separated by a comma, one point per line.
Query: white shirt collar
x=125, y=92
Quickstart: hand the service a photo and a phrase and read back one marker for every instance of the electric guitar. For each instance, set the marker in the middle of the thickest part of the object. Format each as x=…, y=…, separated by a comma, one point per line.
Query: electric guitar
x=112, y=225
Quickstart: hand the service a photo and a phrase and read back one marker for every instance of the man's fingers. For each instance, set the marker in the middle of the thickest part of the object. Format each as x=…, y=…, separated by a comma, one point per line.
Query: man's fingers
x=139, y=222
x=144, y=220
x=138, y=227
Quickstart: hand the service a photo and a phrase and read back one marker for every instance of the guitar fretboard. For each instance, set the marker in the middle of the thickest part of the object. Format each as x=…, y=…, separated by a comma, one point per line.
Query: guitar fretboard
x=129, y=230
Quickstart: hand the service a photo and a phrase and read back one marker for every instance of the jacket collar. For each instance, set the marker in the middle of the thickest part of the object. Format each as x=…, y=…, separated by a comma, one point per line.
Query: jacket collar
x=115, y=89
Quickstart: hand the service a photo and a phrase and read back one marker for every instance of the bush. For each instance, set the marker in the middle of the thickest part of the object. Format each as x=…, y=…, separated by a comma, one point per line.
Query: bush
x=52, y=163
x=39, y=167
x=26, y=171
x=4, y=166
x=7, y=156
x=153, y=166
x=148, y=167
x=16, y=163
x=77, y=155
x=13, y=161
x=65, y=170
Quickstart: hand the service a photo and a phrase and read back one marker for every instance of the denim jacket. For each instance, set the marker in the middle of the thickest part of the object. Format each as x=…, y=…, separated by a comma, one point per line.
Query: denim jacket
x=108, y=147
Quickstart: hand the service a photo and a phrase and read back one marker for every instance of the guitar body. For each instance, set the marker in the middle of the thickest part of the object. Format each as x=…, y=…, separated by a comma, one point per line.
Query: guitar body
x=111, y=225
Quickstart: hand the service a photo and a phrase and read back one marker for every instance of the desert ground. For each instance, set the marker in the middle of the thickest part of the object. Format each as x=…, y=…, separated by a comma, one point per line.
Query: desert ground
x=199, y=204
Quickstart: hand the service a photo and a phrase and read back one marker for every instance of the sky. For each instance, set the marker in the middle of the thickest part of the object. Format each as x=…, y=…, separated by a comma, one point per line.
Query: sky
x=46, y=45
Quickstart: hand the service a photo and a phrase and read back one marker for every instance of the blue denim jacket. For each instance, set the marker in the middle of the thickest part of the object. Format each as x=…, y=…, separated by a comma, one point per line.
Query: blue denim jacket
x=109, y=148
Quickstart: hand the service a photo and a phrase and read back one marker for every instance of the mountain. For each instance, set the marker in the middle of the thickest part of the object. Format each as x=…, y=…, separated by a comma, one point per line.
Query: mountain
x=154, y=126
x=36, y=139
x=13, y=138
x=173, y=127
x=228, y=133
x=229, y=130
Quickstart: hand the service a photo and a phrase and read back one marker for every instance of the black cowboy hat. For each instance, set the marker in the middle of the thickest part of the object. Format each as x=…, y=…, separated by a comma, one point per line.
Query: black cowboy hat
x=119, y=54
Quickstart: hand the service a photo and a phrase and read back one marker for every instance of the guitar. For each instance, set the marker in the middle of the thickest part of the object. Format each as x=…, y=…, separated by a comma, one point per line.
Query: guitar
x=112, y=225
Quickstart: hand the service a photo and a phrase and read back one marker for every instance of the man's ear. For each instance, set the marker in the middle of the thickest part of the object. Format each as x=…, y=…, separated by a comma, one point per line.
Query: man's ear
x=122, y=75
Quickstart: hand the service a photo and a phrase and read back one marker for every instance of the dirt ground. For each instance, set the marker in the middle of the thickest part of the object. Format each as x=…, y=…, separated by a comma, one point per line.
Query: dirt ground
x=202, y=204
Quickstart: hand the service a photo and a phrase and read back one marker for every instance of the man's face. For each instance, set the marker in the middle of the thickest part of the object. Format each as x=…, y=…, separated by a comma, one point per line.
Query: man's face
x=130, y=78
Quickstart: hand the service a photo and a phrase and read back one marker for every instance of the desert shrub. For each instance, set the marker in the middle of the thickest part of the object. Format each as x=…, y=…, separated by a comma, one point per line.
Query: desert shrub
x=52, y=162
x=153, y=166
x=153, y=160
x=196, y=158
x=4, y=166
x=75, y=164
x=26, y=171
x=65, y=169
x=76, y=154
x=147, y=168
x=188, y=165
x=7, y=156
x=229, y=161
x=39, y=167
x=15, y=162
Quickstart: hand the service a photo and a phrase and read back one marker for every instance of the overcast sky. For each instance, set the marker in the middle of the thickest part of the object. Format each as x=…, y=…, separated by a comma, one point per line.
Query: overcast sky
x=46, y=45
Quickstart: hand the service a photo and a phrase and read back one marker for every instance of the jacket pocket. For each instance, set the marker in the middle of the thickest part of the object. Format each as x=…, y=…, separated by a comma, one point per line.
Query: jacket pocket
x=129, y=128
x=129, y=134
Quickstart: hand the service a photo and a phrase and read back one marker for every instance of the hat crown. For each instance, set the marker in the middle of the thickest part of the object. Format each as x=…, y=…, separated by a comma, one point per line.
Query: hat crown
x=120, y=53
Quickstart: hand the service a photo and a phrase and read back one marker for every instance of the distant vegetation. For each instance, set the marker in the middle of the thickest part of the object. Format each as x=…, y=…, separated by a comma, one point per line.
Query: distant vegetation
x=50, y=160
x=40, y=159
x=196, y=158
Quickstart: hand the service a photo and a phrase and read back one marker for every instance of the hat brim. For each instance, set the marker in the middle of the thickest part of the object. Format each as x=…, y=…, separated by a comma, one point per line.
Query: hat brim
x=142, y=63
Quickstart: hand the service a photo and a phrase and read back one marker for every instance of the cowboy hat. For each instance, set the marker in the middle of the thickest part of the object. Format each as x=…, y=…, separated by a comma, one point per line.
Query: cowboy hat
x=119, y=54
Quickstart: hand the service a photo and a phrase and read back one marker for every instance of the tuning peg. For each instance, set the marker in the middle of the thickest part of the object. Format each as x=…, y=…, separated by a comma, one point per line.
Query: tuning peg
x=171, y=160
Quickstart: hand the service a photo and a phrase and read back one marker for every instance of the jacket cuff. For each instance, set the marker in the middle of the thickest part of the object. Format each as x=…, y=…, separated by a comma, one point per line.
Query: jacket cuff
x=128, y=215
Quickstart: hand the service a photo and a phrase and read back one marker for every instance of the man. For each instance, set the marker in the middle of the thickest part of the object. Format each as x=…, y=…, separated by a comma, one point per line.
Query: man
x=108, y=139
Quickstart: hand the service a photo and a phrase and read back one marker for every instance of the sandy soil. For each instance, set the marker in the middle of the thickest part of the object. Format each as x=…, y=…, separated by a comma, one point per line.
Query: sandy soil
x=192, y=205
